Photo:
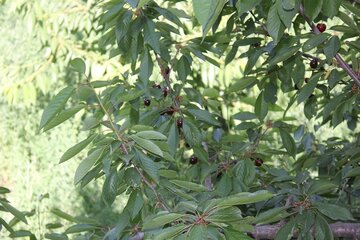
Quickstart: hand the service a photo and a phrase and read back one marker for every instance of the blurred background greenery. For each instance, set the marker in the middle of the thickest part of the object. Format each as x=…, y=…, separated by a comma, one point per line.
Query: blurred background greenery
x=38, y=38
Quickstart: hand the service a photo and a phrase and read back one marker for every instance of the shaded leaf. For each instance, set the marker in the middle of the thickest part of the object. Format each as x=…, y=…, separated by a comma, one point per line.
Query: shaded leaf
x=76, y=148
x=159, y=221
x=189, y=185
x=86, y=164
x=16, y=213
x=78, y=65
x=288, y=142
x=147, y=145
x=333, y=211
x=55, y=105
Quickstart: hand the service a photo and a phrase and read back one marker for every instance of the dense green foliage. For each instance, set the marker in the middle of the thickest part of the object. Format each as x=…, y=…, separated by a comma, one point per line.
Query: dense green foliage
x=202, y=124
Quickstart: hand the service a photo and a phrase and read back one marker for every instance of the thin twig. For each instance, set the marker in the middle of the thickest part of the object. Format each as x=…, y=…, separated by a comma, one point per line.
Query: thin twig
x=338, y=57
x=158, y=198
x=165, y=72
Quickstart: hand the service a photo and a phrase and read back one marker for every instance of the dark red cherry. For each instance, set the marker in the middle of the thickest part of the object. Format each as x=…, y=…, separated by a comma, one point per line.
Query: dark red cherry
x=314, y=64
x=165, y=91
x=193, y=160
x=179, y=122
x=258, y=162
x=147, y=102
x=321, y=27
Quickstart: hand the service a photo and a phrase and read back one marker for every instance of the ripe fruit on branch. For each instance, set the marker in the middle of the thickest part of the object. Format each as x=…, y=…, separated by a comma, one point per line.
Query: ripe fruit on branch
x=314, y=63
x=147, y=102
x=193, y=160
x=321, y=27
x=179, y=122
x=165, y=91
x=258, y=162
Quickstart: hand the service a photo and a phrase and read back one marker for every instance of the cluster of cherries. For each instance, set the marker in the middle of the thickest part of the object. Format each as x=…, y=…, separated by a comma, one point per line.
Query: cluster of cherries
x=314, y=62
x=179, y=122
x=165, y=90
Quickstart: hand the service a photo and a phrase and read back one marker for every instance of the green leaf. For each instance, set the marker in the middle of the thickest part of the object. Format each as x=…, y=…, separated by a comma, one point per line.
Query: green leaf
x=355, y=10
x=288, y=142
x=78, y=65
x=4, y=190
x=81, y=227
x=321, y=186
x=286, y=232
x=56, y=236
x=322, y=229
x=245, y=171
x=149, y=166
x=243, y=83
x=63, y=215
x=147, y=145
x=170, y=232
x=332, y=47
x=63, y=116
x=151, y=37
x=309, y=88
x=312, y=8
x=76, y=148
x=207, y=12
x=151, y=135
x=331, y=8
x=354, y=172
x=19, y=215
x=21, y=234
x=53, y=225
x=243, y=116
x=146, y=69
x=283, y=55
x=244, y=198
x=232, y=234
x=86, y=164
x=243, y=6
x=110, y=186
x=183, y=68
x=274, y=24
x=315, y=41
x=189, y=185
x=334, y=212
x=272, y=215
x=287, y=15
x=261, y=107
x=159, y=221
x=173, y=139
x=204, y=116
x=7, y=226
x=225, y=215
x=288, y=4
x=55, y=105
x=198, y=232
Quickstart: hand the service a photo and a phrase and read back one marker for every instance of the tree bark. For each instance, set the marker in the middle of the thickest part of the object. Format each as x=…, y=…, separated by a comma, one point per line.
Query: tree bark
x=345, y=230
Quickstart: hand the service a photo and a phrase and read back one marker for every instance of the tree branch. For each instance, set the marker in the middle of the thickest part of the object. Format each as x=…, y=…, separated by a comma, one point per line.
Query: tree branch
x=345, y=230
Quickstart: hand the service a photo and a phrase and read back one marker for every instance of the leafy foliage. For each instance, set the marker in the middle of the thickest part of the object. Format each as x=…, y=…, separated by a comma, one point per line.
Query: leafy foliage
x=162, y=109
